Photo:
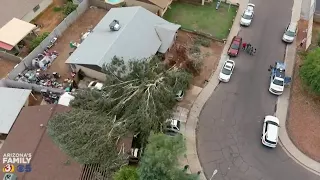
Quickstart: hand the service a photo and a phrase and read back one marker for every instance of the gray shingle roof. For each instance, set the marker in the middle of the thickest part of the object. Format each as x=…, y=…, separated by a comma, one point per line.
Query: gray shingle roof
x=12, y=101
x=141, y=35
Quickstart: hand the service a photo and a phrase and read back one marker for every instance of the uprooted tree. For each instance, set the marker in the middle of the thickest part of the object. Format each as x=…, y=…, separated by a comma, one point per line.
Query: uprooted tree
x=137, y=97
x=141, y=93
x=89, y=137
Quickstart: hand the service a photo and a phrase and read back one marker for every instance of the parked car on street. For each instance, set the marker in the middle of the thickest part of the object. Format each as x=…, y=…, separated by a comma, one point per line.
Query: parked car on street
x=235, y=46
x=247, y=15
x=226, y=70
x=290, y=33
x=270, y=131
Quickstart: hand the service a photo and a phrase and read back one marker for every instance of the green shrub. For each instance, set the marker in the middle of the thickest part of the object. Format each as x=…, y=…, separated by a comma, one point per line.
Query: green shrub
x=310, y=70
x=202, y=41
x=126, y=173
x=57, y=9
x=36, y=41
x=68, y=8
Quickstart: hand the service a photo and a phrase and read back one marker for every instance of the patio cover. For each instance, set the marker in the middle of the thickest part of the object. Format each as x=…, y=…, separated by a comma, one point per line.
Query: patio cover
x=13, y=32
x=12, y=101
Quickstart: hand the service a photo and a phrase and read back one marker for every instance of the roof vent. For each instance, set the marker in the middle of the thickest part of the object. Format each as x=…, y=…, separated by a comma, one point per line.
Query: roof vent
x=114, y=25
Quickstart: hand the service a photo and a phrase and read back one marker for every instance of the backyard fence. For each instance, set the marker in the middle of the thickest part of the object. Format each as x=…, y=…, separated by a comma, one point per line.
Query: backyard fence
x=10, y=57
x=57, y=32
x=23, y=85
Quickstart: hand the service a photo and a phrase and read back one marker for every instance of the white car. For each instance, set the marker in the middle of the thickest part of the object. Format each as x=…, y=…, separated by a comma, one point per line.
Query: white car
x=173, y=124
x=270, y=131
x=247, y=15
x=276, y=86
x=95, y=85
x=227, y=70
x=290, y=33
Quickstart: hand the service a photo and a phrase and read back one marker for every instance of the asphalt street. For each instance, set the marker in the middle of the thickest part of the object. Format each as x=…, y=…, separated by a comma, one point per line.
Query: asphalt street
x=230, y=125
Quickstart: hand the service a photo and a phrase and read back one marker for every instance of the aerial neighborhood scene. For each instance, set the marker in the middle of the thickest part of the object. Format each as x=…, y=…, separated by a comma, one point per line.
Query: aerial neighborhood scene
x=160, y=89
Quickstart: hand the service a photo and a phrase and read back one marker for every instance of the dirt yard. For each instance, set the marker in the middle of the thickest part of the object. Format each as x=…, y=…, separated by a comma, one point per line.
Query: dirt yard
x=303, y=124
x=87, y=21
x=210, y=56
x=50, y=18
x=5, y=67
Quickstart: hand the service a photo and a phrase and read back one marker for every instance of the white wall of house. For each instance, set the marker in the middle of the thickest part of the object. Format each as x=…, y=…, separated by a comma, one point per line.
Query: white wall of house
x=92, y=73
x=36, y=10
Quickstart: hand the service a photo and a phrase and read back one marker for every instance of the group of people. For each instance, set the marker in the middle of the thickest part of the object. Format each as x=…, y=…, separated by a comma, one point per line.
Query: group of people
x=247, y=47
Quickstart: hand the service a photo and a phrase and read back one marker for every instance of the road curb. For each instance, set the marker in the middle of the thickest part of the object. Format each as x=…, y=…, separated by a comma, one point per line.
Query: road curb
x=193, y=117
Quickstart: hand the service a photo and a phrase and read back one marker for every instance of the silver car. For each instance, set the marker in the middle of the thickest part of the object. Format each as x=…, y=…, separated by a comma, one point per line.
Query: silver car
x=290, y=33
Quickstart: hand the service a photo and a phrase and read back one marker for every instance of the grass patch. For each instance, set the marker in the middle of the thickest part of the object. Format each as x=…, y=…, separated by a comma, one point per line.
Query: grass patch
x=203, y=18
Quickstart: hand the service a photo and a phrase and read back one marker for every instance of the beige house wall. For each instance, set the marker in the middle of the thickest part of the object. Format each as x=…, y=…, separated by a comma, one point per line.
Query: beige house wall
x=92, y=73
x=31, y=15
x=154, y=9
x=309, y=32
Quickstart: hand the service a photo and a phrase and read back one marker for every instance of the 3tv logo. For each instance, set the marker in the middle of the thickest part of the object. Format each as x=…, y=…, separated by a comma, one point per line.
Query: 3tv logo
x=8, y=168
x=20, y=168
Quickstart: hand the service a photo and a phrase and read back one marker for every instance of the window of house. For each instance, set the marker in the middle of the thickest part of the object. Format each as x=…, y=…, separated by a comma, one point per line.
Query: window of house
x=36, y=8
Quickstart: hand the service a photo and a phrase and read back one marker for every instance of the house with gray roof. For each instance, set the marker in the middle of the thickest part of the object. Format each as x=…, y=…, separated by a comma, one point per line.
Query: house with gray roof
x=25, y=10
x=129, y=33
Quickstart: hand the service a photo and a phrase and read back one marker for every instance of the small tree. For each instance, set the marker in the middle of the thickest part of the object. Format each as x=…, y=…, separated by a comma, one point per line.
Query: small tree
x=310, y=70
x=69, y=7
x=36, y=41
x=126, y=173
x=160, y=160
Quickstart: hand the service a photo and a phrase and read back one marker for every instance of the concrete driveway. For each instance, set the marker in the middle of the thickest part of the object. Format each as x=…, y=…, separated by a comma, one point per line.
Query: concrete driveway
x=230, y=124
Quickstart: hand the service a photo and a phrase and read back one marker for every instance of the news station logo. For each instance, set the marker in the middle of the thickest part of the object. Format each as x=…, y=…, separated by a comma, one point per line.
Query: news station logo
x=9, y=168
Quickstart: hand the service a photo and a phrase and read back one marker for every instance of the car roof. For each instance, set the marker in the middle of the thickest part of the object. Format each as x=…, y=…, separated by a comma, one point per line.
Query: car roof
x=248, y=12
x=272, y=132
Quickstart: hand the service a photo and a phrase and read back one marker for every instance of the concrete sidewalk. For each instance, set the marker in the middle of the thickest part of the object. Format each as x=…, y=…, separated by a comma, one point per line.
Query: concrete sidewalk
x=191, y=157
x=283, y=104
